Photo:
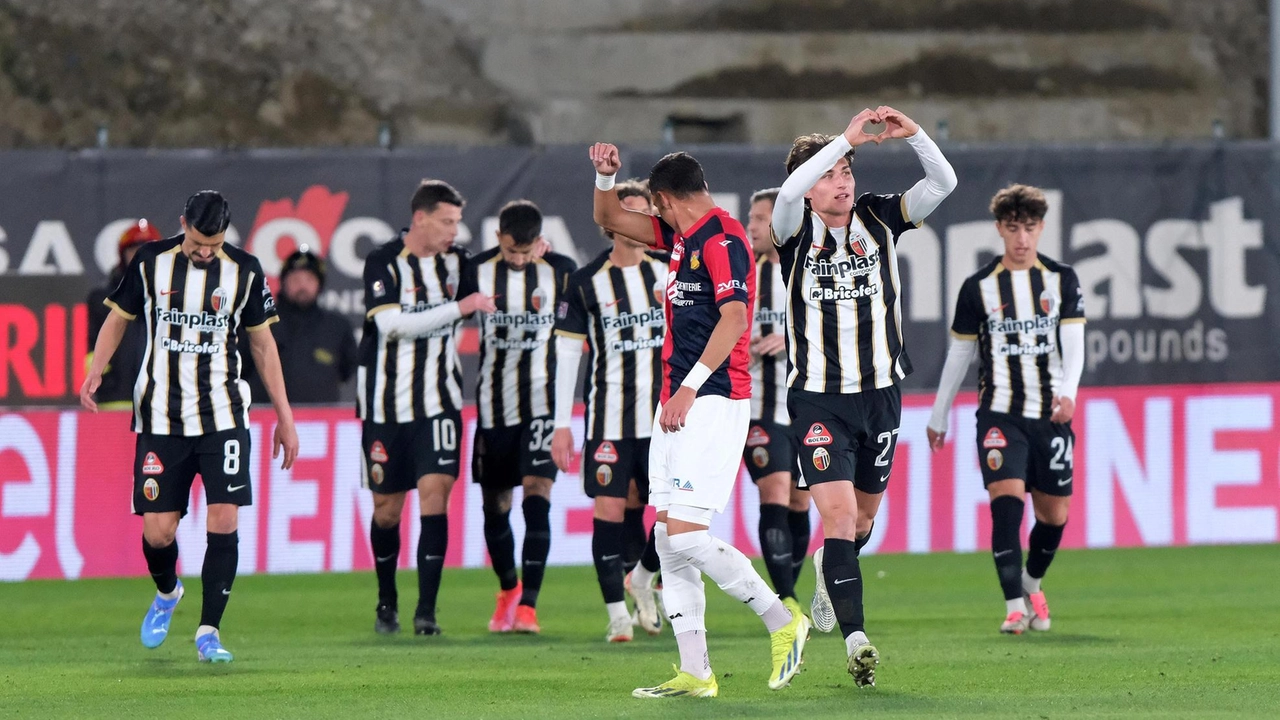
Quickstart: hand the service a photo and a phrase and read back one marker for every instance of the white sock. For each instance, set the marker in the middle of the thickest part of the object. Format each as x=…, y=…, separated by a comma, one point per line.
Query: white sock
x=728, y=567
x=617, y=610
x=1030, y=585
x=641, y=577
x=169, y=595
x=854, y=641
x=776, y=617
x=683, y=594
x=694, y=658
x=1015, y=605
x=205, y=630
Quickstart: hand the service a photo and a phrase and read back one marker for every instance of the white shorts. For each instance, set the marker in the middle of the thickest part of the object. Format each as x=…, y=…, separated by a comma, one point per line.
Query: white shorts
x=698, y=465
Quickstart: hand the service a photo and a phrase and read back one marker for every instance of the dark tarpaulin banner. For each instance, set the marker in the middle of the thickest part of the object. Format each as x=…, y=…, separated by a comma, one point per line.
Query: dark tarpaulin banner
x=1177, y=247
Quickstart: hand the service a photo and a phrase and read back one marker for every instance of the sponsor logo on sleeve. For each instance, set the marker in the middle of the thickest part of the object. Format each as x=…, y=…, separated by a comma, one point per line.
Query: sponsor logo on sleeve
x=730, y=286
x=379, y=290
x=562, y=310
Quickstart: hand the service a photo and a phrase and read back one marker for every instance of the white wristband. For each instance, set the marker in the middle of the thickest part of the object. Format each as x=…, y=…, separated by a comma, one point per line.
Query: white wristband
x=604, y=183
x=697, y=375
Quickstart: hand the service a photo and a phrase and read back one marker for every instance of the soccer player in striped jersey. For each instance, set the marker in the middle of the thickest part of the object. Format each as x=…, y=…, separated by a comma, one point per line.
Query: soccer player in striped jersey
x=194, y=292
x=1023, y=315
x=615, y=303
x=409, y=391
x=515, y=403
x=844, y=325
x=770, y=452
x=703, y=413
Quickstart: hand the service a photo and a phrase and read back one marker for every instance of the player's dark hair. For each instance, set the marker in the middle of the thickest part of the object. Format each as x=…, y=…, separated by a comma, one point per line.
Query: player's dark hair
x=431, y=193
x=770, y=194
x=635, y=187
x=806, y=146
x=207, y=212
x=677, y=173
x=522, y=220
x=1019, y=203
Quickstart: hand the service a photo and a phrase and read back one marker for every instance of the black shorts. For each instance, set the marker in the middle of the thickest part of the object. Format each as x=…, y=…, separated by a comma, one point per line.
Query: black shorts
x=164, y=466
x=770, y=449
x=1033, y=450
x=609, y=466
x=397, y=455
x=504, y=456
x=846, y=436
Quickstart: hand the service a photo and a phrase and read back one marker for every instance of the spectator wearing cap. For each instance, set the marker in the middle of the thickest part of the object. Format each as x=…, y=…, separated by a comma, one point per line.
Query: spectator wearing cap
x=116, y=391
x=317, y=347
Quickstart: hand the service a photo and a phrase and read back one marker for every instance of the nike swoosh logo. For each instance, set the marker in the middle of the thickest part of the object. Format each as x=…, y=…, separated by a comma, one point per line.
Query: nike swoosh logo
x=383, y=559
x=607, y=558
x=429, y=558
x=167, y=292
x=841, y=582
x=448, y=462
x=1064, y=482
x=884, y=479
x=1003, y=552
x=233, y=488
x=536, y=463
x=612, y=303
x=226, y=592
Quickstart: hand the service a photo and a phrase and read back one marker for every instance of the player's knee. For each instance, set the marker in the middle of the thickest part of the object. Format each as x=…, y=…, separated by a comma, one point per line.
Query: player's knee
x=840, y=525
x=863, y=526
x=160, y=537
x=537, y=486
x=610, y=509
x=775, y=489
x=222, y=518
x=799, y=500
x=691, y=545
x=1053, y=512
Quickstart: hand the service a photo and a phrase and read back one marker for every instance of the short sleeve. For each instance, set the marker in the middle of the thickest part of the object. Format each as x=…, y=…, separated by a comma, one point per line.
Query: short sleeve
x=664, y=235
x=468, y=277
x=571, y=312
x=260, y=308
x=969, y=312
x=1072, y=298
x=381, y=287
x=890, y=210
x=129, y=298
x=731, y=268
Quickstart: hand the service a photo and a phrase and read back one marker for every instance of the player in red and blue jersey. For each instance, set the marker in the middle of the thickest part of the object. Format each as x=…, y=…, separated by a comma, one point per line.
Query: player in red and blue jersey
x=704, y=411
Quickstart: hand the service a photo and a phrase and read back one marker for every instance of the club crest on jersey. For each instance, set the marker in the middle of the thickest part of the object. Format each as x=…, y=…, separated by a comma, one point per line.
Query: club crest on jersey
x=821, y=458
x=151, y=464
x=604, y=475
x=994, y=439
x=220, y=301
x=451, y=283
x=541, y=298
x=860, y=245
x=818, y=435
x=995, y=459
x=694, y=262
x=760, y=456
x=378, y=452
x=1049, y=303
x=377, y=474
x=757, y=436
x=606, y=453
x=151, y=489
x=659, y=291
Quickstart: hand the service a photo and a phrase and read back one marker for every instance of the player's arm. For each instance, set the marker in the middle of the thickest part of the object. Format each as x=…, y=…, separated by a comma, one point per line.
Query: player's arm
x=266, y=358
x=607, y=209
x=572, y=321
x=788, y=209
x=1071, y=337
x=731, y=325
x=397, y=324
x=964, y=345
x=109, y=337
x=939, y=177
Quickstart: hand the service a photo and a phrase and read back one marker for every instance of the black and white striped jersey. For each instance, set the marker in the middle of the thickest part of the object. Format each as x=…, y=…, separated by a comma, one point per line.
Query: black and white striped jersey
x=189, y=383
x=516, y=351
x=1015, y=315
x=619, y=310
x=844, y=306
x=769, y=372
x=405, y=379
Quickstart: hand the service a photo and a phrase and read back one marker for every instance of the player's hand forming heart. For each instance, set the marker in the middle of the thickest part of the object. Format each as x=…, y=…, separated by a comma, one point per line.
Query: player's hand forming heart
x=896, y=125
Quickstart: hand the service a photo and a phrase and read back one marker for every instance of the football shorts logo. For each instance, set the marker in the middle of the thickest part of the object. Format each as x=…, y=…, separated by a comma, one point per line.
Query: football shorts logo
x=1049, y=303
x=760, y=456
x=995, y=459
x=220, y=301
x=694, y=261
x=378, y=452
x=377, y=474
x=994, y=439
x=818, y=435
x=151, y=464
x=604, y=475
x=684, y=485
x=151, y=489
x=821, y=458
x=606, y=453
x=541, y=298
x=757, y=436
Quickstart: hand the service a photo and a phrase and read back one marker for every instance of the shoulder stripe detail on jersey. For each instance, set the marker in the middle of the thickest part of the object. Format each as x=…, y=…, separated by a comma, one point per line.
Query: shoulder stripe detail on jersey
x=902, y=206
x=1069, y=321
x=565, y=333
x=962, y=336
x=380, y=308
x=263, y=326
x=118, y=310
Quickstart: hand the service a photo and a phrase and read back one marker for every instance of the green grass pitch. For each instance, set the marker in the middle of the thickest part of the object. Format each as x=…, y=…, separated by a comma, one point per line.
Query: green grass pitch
x=1188, y=632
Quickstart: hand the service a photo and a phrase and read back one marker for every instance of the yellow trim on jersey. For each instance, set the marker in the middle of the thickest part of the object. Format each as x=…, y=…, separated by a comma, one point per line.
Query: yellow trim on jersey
x=263, y=326
x=404, y=252
x=380, y=308
x=963, y=336
x=573, y=335
x=902, y=205
x=1065, y=321
x=118, y=310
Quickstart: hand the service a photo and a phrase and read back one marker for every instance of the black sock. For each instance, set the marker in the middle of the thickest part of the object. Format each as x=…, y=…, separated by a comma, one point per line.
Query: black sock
x=606, y=550
x=432, y=544
x=537, y=546
x=1006, y=545
x=649, y=559
x=1041, y=547
x=844, y=583
x=502, y=547
x=862, y=541
x=775, y=546
x=386, y=555
x=800, y=535
x=634, y=537
x=218, y=575
x=162, y=564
